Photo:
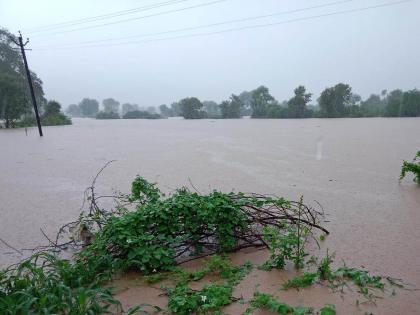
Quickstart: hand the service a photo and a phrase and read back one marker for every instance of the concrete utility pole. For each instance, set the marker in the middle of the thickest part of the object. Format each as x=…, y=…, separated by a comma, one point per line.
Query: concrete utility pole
x=31, y=87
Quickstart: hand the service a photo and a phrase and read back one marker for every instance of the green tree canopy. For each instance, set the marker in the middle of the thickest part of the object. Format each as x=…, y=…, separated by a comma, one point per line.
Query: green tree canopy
x=127, y=107
x=260, y=102
x=212, y=109
x=374, y=106
x=14, y=82
x=410, y=106
x=298, y=104
x=12, y=102
x=232, y=108
x=393, y=103
x=333, y=100
x=110, y=105
x=89, y=107
x=191, y=108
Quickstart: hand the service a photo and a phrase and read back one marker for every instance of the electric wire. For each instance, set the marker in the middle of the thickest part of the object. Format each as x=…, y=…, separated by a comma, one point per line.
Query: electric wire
x=134, y=18
x=215, y=24
x=313, y=17
x=100, y=17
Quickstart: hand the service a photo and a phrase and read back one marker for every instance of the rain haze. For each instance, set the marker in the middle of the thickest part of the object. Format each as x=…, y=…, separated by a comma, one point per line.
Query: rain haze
x=210, y=157
x=362, y=43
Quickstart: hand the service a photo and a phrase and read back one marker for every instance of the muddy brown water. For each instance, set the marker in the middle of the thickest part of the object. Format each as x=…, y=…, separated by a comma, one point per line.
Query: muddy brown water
x=350, y=166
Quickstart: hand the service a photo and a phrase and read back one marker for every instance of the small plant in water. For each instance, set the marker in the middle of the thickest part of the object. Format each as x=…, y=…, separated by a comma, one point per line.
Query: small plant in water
x=412, y=167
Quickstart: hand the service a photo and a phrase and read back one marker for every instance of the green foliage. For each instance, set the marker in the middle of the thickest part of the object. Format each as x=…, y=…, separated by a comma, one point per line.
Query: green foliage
x=362, y=278
x=285, y=244
x=333, y=100
x=147, y=238
x=107, y=115
x=12, y=102
x=260, y=102
x=212, y=109
x=324, y=268
x=306, y=280
x=89, y=107
x=297, y=106
x=184, y=300
x=138, y=114
x=13, y=83
x=328, y=309
x=111, y=105
x=45, y=284
x=412, y=167
x=191, y=108
x=52, y=116
x=231, y=108
x=269, y=302
x=410, y=105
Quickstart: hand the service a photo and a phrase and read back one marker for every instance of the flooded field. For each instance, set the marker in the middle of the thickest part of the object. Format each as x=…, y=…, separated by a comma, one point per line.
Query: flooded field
x=350, y=166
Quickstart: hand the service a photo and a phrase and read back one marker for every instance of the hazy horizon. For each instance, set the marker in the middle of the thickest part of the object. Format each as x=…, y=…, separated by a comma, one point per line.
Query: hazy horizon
x=371, y=49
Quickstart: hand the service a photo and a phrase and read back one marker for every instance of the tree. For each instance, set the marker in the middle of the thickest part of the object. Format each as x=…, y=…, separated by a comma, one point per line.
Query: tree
x=12, y=102
x=151, y=109
x=231, y=108
x=246, y=98
x=165, y=111
x=410, y=106
x=334, y=100
x=212, y=109
x=52, y=108
x=176, y=110
x=14, y=85
x=191, y=108
x=127, y=107
x=111, y=105
x=297, y=105
x=261, y=99
x=73, y=110
x=393, y=103
x=89, y=107
x=53, y=116
x=374, y=106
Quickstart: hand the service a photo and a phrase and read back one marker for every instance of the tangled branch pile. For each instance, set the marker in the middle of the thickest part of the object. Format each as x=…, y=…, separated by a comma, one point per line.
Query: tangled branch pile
x=164, y=231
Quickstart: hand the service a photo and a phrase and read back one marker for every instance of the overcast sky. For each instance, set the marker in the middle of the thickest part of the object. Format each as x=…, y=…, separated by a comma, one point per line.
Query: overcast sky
x=371, y=50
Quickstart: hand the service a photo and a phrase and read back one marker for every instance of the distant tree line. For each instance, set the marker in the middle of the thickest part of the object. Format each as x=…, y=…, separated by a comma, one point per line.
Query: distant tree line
x=111, y=110
x=15, y=103
x=334, y=102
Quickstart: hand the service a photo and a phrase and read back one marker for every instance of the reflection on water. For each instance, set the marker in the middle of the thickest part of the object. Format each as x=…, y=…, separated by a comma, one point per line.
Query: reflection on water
x=350, y=166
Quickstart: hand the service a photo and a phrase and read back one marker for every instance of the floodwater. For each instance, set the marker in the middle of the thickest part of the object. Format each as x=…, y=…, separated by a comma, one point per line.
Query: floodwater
x=350, y=166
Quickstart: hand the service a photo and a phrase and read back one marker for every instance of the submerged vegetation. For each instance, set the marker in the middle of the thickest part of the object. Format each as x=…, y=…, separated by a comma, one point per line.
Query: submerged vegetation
x=154, y=234
x=412, y=167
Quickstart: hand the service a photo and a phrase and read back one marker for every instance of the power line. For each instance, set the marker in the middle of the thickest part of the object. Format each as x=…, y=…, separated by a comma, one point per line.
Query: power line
x=101, y=17
x=393, y=3
x=135, y=18
x=215, y=24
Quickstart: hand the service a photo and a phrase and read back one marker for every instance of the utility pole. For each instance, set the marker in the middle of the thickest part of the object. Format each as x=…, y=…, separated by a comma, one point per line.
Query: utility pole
x=31, y=87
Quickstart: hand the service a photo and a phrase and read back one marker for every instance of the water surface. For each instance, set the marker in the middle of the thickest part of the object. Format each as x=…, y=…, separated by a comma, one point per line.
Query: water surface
x=350, y=166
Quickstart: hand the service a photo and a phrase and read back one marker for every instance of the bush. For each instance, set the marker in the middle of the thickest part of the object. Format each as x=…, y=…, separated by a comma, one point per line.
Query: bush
x=138, y=114
x=107, y=115
x=412, y=167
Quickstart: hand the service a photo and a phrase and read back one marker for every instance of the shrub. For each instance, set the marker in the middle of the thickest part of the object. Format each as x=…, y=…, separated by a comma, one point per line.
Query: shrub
x=107, y=115
x=412, y=167
x=138, y=114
